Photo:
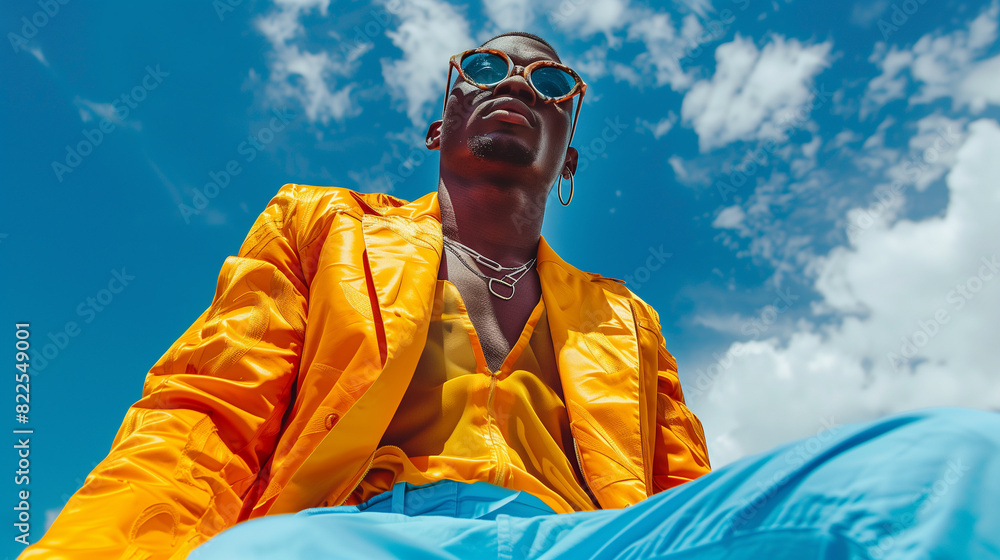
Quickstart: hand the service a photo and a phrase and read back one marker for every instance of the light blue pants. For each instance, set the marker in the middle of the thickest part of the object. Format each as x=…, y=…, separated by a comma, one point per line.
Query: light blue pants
x=922, y=485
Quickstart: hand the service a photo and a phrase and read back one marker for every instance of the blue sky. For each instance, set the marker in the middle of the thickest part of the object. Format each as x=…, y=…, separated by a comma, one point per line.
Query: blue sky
x=805, y=191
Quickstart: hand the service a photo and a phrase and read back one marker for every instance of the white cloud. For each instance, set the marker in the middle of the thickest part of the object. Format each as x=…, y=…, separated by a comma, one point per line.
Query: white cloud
x=981, y=86
x=175, y=193
x=932, y=151
x=50, y=517
x=214, y=217
x=731, y=217
x=810, y=148
x=89, y=110
x=661, y=127
x=800, y=166
x=983, y=29
x=283, y=25
x=730, y=324
x=913, y=325
x=92, y=110
x=941, y=65
x=584, y=18
x=39, y=55
x=308, y=78
x=509, y=15
x=667, y=42
x=865, y=13
x=429, y=33
x=680, y=170
x=691, y=173
x=665, y=47
x=591, y=65
x=699, y=7
x=624, y=73
x=303, y=5
x=677, y=164
x=891, y=83
x=843, y=138
x=754, y=93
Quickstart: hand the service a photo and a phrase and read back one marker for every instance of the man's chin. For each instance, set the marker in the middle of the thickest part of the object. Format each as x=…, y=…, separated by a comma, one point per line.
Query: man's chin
x=501, y=149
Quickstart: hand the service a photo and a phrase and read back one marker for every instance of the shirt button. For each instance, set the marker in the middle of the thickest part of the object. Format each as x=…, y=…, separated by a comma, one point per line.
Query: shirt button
x=331, y=419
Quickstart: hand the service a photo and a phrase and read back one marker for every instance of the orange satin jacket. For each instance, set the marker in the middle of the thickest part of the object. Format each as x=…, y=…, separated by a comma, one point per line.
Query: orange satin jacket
x=276, y=398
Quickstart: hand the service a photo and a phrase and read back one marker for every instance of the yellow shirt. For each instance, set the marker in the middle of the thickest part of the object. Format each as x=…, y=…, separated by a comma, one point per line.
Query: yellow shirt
x=460, y=421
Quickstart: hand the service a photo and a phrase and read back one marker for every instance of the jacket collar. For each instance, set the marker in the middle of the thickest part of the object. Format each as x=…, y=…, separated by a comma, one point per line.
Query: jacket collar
x=591, y=320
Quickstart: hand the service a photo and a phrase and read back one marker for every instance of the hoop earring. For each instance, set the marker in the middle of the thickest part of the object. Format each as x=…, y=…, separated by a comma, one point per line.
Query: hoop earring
x=571, y=189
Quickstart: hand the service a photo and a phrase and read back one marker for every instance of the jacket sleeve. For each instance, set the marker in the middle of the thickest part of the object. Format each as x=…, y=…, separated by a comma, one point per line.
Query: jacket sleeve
x=681, y=454
x=189, y=450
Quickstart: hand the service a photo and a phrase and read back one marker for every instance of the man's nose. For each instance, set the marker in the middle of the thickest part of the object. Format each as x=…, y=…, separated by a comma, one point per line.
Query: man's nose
x=516, y=85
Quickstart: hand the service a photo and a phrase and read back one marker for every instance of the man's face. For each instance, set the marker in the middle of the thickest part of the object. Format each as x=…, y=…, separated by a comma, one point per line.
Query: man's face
x=507, y=131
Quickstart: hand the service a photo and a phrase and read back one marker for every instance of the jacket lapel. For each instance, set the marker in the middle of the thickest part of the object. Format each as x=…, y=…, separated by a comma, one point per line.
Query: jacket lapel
x=403, y=253
x=594, y=337
x=403, y=257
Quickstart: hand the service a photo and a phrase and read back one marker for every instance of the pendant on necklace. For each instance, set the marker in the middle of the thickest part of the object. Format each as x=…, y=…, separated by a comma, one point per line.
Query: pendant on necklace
x=507, y=284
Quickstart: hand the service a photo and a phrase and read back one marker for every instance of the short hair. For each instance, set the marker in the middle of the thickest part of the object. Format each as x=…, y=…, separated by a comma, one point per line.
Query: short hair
x=529, y=36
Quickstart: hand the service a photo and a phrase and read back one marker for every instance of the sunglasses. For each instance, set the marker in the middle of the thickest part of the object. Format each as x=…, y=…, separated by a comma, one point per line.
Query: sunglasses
x=485, y=68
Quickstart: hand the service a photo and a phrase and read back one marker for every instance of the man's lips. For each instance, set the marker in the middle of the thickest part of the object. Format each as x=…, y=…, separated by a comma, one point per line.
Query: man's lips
x=508, y=110
x=508, y=116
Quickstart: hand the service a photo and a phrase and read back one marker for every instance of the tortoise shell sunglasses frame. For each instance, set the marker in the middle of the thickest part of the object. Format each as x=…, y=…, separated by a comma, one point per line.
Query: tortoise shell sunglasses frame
x=579, y=88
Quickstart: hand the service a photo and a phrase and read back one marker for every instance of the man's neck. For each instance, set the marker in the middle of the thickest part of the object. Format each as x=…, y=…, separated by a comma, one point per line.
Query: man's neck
x=502, y=223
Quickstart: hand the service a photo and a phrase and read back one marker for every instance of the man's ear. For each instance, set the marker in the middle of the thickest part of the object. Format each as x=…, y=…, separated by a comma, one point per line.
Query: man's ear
x=572, y=157
x=433, y=140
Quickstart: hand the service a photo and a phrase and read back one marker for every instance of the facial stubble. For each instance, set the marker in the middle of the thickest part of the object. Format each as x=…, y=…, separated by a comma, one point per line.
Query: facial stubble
x=501, y=149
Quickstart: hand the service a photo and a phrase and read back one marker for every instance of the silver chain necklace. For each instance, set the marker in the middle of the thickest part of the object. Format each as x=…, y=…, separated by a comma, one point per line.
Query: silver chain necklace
x=509, y=279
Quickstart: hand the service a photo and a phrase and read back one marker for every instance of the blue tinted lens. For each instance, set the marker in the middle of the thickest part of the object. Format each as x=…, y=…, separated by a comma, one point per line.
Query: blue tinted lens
x=552, y=82
x=485, y=68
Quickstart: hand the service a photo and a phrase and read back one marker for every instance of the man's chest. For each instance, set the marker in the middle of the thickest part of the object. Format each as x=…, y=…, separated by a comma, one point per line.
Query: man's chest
x=498, y=322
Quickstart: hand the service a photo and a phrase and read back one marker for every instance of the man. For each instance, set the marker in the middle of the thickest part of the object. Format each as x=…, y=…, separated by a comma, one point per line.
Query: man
x=429, y=379
x=277, y=398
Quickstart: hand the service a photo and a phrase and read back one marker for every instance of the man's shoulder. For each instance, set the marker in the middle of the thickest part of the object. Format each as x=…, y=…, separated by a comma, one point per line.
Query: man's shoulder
x=320, y=200
x=643, y=310
x=646, y=315
x=307, y=211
